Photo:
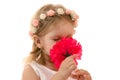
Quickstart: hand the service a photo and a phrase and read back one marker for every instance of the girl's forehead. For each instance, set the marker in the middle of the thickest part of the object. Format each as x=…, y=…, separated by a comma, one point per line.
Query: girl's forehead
x=62, y=28
x=62, y=25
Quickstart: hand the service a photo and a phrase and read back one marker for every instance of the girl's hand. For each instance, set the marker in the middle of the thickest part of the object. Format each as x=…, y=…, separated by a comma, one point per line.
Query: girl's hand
x=67, y=67
x=81, y=74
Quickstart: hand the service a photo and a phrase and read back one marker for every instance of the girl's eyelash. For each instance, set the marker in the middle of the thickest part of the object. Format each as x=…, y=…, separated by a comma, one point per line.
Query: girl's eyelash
x=56, y=39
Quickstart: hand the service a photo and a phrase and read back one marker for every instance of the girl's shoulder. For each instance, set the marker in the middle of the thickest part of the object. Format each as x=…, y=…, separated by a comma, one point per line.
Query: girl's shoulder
x=39, y=70
x=29, y=73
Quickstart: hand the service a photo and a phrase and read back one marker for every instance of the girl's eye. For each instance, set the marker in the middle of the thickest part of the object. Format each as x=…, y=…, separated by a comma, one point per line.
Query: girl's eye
x=57, y=39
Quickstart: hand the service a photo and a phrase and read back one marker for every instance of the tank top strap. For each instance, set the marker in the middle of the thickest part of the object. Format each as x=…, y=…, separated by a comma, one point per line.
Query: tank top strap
x=38, y=70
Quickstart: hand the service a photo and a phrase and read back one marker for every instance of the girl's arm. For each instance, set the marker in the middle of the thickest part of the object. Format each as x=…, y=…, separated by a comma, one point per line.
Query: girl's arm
x=29, y=74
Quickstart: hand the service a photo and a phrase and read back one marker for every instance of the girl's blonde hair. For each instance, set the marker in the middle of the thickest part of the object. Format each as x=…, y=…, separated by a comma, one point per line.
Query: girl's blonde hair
x=44, y=25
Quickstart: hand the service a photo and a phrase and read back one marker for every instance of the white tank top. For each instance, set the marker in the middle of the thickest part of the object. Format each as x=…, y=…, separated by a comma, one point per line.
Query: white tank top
x=43, y=72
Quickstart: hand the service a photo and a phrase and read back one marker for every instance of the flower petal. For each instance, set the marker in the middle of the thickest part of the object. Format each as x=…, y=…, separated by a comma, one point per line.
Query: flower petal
x=63, y=48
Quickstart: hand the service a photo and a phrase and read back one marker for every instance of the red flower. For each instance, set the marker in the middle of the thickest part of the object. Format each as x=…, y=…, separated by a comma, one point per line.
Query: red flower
x=64, y=48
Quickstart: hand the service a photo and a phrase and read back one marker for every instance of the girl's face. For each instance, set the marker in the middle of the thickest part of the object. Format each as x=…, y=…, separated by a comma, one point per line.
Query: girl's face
x=63, y=29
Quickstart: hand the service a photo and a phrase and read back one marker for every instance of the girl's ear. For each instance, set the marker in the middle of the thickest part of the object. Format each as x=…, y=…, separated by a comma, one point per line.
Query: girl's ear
x=37, y=41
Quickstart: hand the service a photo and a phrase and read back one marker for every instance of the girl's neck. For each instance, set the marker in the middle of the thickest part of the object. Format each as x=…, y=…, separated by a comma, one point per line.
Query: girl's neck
x=49, y=64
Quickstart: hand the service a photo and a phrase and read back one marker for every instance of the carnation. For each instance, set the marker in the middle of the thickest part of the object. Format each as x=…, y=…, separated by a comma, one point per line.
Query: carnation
x=64, y=48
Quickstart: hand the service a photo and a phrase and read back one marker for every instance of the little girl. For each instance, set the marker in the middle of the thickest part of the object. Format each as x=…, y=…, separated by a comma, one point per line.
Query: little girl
x=49, y=25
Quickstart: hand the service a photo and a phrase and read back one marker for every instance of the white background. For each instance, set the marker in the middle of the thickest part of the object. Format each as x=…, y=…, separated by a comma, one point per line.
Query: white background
x=98, y=33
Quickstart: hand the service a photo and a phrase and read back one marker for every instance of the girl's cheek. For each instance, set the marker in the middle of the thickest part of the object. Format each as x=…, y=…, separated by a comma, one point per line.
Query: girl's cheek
x=51, y=46
x=52, y=43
